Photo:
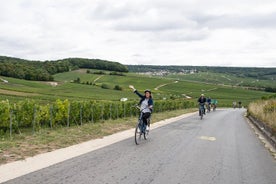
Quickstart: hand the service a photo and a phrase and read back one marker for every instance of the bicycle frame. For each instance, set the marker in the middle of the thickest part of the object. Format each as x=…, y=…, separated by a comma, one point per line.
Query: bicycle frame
x=201, y=110
x=141, y=123
x=208, y=107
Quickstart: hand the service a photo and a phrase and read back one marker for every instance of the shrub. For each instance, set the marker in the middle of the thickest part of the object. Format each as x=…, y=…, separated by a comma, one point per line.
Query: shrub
x=4, y=115
x=105, y=86
x=117, y=87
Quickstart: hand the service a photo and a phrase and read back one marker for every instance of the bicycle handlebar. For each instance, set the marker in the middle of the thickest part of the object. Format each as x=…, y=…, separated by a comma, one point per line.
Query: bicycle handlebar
x=138, y=107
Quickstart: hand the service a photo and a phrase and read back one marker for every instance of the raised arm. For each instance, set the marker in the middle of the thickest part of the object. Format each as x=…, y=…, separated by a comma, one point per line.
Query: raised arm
x=135, y=91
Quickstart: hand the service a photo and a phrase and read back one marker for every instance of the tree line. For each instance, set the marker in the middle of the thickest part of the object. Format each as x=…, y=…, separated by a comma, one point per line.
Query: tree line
x=44, y=71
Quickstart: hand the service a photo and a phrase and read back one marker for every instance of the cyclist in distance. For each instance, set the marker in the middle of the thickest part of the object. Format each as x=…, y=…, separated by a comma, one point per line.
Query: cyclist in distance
x=146, y=103
x=201, y=101
x=209, y=101
x=214, y=102
x=240, y=104
x=234, y=104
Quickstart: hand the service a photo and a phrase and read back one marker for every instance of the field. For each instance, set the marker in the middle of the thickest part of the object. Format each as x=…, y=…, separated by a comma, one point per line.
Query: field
x=90, y=88
x=224, y=79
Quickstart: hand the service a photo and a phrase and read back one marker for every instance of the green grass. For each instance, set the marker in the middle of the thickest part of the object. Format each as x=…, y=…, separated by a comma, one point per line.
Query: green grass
x=45, y=93
x=225, y=79
x=73, y=75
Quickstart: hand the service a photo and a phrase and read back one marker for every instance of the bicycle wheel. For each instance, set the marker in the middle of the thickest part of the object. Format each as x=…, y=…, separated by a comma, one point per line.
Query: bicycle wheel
x=138, y=133
x=201, y=113
x=146, y=133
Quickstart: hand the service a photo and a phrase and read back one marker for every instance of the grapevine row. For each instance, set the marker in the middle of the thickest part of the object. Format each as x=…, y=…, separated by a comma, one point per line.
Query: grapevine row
x=62, y=113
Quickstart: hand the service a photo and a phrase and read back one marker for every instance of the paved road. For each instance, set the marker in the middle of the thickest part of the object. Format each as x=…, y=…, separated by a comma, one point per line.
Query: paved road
x=221, y=148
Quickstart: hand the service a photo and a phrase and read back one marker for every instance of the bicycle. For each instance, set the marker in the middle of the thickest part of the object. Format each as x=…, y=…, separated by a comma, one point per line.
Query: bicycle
x=208, y=107
x=141, y=128
x=214, y=107
x=201, y=110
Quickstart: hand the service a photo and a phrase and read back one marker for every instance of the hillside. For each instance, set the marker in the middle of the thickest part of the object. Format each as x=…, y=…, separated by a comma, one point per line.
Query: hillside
x=257, y=73
x=254, y=78
x=44, y=71
x=93, y=79
x=94, y=86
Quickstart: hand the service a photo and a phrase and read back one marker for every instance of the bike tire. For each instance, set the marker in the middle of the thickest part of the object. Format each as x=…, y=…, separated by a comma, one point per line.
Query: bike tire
x=138, y=134
x=146, y=134
x=201, y=113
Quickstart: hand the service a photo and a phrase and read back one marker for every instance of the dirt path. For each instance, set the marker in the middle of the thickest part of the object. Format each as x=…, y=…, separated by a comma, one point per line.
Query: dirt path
x=186, y=96
x=162, y=85
x=98, y=78
x=16, y=93
x=212, y=89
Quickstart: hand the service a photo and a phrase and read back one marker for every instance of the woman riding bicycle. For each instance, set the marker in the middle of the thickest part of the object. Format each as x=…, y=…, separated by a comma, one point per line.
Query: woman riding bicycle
x=146, y=104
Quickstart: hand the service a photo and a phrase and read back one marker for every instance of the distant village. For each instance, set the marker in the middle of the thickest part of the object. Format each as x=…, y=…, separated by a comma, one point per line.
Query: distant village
x=166, y=72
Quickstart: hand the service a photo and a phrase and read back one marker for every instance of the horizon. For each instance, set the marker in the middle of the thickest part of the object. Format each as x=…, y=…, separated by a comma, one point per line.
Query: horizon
x=138, y=64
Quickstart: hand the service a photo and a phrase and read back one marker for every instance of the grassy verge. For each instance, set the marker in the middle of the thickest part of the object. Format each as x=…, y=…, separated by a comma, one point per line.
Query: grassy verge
x=265, y=111
x=24, y=145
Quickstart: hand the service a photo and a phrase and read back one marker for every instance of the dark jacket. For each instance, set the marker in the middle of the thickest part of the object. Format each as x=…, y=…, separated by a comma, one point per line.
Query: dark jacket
x=143, y=97
x=201, y=100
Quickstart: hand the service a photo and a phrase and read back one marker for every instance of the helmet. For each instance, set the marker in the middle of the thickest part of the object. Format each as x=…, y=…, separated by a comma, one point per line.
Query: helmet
x=147, y=90
x=202, y=94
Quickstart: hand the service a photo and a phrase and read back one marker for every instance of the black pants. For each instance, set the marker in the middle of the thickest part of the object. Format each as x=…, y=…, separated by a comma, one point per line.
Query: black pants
x=145, y=117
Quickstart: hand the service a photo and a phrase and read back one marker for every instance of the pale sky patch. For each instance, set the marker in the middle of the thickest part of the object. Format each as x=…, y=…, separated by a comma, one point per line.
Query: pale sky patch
x=156, y=32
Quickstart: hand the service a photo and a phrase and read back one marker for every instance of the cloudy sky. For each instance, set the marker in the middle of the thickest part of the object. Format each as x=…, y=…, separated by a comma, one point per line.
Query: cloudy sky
x=156, y=32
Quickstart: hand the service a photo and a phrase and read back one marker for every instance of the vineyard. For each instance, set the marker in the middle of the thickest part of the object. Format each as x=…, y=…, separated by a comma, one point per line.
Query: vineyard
x=27, y=114
x=32, y=105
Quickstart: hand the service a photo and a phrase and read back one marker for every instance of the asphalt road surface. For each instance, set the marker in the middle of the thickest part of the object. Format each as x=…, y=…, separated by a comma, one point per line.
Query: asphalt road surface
x=221, y=148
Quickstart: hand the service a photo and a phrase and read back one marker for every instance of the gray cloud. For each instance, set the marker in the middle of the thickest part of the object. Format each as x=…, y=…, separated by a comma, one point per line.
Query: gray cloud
x=149, y=24
x=256, y=21
x=103, y=10
x=182, y=35
x=141, y=31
